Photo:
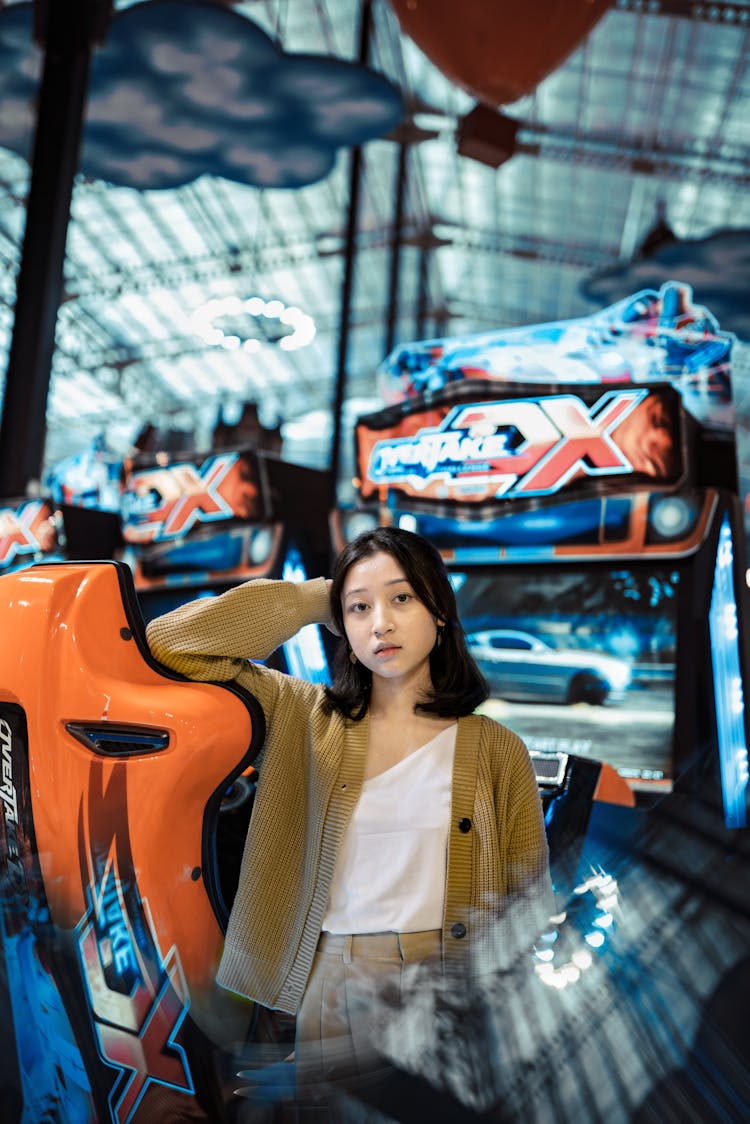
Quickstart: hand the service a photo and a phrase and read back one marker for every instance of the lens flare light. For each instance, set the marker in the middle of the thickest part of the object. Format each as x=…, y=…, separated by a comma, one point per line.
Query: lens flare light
x=206, y=324
x=558, y=968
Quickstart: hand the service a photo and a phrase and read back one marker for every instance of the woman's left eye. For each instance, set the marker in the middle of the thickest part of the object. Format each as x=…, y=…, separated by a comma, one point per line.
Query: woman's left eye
x=403, y=597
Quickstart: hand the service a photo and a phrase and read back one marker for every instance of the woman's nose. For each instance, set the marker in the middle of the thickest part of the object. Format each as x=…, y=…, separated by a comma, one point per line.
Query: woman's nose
x=381, y=622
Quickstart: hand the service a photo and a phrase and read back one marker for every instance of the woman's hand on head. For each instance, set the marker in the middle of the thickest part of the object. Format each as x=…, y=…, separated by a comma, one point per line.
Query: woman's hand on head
x=330, y=623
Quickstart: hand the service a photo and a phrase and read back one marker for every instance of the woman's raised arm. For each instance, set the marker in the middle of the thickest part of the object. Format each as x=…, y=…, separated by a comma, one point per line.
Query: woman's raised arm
x=213, y=638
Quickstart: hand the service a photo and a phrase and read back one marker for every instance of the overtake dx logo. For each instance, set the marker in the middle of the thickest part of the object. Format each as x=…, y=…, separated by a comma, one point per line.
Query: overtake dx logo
x=524, y=447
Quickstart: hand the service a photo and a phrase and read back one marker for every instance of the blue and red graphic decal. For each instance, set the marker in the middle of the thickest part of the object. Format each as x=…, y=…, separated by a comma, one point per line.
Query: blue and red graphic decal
x=43, y=1075
x=137, y=996
x=26, y=530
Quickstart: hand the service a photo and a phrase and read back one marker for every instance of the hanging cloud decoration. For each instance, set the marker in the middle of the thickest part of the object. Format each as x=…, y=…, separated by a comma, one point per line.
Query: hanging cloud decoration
x=716, y=267
x=182, y=88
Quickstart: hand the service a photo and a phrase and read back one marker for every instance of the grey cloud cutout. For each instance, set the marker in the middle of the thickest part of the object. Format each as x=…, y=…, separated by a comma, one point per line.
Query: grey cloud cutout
x=184, y=88
x=716, y=267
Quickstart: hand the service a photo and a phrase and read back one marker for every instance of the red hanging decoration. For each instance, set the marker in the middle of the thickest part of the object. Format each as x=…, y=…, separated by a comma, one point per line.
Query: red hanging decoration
x=496, y=50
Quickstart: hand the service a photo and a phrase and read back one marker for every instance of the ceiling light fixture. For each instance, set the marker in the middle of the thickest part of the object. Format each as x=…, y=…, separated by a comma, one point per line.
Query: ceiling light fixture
x=234, y=324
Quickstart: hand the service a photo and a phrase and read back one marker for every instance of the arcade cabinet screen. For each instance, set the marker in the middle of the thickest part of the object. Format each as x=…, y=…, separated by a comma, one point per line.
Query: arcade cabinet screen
x=580, y=660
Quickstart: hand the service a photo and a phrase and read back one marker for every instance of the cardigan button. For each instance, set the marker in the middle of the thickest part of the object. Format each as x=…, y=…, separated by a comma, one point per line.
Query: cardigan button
x=458, y=931
x=464, y=825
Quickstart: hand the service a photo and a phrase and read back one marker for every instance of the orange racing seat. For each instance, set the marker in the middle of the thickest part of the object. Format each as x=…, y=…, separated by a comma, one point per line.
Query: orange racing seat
x=114, y=774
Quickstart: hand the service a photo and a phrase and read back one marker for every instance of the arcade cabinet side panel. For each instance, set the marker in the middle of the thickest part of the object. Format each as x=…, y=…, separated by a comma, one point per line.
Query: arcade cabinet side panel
x=42, y=1072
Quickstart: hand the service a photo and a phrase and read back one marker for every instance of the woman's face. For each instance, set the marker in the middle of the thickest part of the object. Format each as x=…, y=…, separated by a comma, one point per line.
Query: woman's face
x=240, y=490
x=646, y=437
x=389, y=629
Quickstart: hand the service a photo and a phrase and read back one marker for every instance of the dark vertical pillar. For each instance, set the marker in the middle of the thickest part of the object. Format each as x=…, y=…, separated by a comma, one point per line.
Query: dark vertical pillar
x=352, y=222
x=66, y=31
x=442, y=323
x=420, y=326
x=396, y=244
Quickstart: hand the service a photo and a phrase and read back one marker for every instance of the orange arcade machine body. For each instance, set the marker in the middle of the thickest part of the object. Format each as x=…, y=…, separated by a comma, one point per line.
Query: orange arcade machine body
x=116, y=780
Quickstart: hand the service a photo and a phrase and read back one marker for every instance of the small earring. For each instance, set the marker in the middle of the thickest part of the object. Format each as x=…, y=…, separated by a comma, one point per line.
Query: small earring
x=352, y=657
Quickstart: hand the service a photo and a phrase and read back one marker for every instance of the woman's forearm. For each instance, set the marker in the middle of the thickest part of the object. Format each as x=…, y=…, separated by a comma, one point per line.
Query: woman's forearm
x=211, y=638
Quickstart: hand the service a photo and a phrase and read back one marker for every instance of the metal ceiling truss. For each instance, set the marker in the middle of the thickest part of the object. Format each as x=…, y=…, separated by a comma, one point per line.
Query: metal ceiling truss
x=737, y=14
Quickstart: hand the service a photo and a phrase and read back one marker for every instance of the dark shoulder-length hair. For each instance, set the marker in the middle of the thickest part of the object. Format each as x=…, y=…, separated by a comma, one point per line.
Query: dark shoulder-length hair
x=458, y=686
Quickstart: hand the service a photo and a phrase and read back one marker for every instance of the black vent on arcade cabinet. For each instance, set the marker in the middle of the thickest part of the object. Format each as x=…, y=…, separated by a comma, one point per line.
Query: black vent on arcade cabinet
x=112, y=739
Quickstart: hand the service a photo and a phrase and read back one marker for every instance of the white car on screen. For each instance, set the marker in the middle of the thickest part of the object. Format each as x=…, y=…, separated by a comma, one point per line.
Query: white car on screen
x=519, y=666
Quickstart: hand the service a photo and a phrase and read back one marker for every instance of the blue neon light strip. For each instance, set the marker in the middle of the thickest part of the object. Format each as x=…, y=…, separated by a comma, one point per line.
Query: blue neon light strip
x=728, y=692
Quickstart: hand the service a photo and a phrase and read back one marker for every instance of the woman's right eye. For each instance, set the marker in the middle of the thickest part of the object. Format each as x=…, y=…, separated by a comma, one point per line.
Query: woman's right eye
x=357, y=607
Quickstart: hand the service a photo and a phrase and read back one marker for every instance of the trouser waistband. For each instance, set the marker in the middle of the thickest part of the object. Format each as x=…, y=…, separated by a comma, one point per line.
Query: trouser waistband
x=424, y=945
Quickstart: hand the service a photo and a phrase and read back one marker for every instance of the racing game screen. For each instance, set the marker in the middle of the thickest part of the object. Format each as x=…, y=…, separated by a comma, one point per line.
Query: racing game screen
x=580, y=660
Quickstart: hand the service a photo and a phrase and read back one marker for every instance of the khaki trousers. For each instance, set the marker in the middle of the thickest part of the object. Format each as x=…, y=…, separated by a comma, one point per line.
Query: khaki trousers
x=353, y=981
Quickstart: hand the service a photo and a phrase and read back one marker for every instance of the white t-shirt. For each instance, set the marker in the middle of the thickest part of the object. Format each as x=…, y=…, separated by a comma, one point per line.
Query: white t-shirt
x=390, y=872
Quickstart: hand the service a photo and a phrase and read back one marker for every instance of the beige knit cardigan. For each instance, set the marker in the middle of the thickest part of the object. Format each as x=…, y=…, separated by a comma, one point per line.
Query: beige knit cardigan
x=310, y=781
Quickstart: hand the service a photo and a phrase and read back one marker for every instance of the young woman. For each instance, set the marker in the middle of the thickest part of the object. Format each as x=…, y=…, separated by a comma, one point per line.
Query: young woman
x=390, y=824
